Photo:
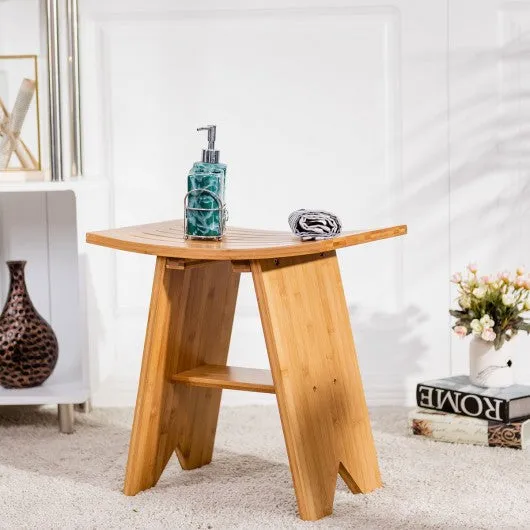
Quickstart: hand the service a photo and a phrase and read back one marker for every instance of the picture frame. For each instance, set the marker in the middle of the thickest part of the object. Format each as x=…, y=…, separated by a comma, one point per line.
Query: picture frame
x=20, y=127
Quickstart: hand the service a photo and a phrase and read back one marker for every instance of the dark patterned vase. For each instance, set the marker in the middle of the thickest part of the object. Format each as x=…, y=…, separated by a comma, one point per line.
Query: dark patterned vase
x=28, y=346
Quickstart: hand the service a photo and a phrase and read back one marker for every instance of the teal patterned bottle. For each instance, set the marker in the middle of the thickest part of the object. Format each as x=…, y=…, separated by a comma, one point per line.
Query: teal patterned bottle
x=205, y=202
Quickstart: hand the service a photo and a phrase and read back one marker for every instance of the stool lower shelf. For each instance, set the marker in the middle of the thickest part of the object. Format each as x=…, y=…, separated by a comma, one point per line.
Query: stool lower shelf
x=229, y=377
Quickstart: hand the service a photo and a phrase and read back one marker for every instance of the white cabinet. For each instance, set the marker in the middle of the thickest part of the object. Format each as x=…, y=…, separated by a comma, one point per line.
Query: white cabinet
x=45, y=223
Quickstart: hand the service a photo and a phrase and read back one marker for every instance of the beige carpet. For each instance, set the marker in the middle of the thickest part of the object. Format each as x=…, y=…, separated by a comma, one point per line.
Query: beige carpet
x=48, y=480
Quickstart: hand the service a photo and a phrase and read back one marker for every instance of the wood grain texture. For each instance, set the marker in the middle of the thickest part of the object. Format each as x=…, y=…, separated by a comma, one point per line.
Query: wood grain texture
x=231, y=377
x=241, y=266
x=167, y=239
x=182, y=263
x=186, y=306
x=316, y=376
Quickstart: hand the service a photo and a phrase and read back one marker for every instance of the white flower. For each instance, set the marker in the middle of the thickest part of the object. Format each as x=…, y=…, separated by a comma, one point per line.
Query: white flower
x=520, y=271
x=479, y=292
x=508, y=299
x=505, y=276
x=488, y=335
x=476, y=326
x=487, y=322
x=456, y=277
x=472, y=268
x=465, y=301
x=460, y=331
x=508, y=332
x=527, y=305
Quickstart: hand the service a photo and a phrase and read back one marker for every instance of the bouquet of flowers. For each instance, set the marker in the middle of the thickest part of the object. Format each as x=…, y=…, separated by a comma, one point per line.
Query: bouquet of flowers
x=491, y=307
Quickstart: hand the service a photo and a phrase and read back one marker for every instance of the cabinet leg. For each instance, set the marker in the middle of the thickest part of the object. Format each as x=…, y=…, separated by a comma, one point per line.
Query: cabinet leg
x=84, y=408
x=66, y=418
x=317, y=380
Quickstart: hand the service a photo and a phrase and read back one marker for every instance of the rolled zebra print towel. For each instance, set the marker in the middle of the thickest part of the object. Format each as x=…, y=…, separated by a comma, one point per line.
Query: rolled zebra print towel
x=314, y=224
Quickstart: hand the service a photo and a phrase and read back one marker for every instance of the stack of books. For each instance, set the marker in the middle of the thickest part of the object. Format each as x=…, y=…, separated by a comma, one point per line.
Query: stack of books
x=454, y=410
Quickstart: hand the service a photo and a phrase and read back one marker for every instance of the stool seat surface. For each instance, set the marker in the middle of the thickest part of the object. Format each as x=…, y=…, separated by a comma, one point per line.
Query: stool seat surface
x=167, y=239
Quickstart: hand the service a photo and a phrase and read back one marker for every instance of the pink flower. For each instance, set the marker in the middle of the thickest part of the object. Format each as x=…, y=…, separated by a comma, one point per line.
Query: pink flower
x=486, y=279
x=472, y=268
x=456, y=278
x=488, y=335
x=460, y=331
x=519, y=281
x=505, y=276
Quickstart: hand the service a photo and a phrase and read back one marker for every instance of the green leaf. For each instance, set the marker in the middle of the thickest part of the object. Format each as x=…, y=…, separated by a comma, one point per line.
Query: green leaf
x=499, y=341
x=524, y=326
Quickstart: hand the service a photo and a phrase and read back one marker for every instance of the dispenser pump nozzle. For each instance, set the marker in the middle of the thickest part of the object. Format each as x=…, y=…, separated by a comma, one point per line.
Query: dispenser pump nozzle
x=210, y=155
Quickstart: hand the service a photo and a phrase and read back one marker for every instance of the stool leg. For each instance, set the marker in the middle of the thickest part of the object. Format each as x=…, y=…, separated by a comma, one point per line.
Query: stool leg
x=317, y=380
x=190, y=323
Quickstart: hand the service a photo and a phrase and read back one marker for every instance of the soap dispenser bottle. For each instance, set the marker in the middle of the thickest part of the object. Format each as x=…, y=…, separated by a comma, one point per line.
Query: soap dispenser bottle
x=205, y=211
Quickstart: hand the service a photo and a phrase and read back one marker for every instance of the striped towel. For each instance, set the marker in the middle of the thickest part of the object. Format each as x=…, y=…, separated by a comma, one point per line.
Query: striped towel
x=314, y=224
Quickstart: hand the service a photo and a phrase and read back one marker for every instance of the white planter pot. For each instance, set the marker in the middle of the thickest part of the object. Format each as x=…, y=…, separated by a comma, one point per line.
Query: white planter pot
x=490, y=368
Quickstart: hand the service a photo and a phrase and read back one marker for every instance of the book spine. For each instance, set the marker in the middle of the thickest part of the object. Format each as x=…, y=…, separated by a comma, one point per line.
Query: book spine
x=485, y=433
x=462, y=403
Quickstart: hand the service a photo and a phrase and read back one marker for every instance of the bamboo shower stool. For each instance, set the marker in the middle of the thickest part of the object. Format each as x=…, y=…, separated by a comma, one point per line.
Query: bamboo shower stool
x=314, y=368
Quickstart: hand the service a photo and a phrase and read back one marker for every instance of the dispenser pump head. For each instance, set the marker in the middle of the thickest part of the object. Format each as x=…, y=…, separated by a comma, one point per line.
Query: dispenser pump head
x=210, y=155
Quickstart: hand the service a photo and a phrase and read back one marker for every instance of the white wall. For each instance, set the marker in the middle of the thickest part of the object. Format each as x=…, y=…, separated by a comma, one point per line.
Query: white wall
x=403, y=111
x=489, y=94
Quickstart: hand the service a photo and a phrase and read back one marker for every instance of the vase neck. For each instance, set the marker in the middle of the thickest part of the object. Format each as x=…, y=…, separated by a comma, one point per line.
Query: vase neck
x=16, y=272
x=17, y=284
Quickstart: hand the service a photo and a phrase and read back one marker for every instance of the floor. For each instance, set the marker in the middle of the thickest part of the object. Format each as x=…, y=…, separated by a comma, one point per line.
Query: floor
x=48, y=480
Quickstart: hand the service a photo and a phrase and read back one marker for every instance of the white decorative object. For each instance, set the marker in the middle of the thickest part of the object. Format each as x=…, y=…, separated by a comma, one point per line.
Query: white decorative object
x=11, y=125
x=488, y=367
